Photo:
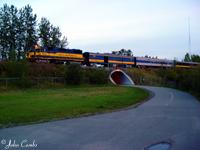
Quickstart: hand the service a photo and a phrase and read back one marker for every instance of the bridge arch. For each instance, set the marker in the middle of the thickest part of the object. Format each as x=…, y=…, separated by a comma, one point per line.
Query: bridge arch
x=119, y=77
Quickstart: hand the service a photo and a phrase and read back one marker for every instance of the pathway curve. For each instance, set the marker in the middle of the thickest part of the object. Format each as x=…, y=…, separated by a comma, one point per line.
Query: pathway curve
x=171, y=116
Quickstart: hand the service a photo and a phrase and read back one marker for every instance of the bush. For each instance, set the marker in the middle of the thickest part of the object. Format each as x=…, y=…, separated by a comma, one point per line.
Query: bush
x=29, y=74
x=45, y=70
x=95, y=76
x=144, y=76
x=16, y=72
x=189, y=79
x=13, y=69
x=73, y=74
x=184, y=79
x=76, y=75
x=24, y=83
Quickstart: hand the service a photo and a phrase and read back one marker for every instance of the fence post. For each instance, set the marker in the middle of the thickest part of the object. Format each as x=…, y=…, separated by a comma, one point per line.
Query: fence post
x=52, y=80
x=64, y=82
x=6, y=83
x=37, y=79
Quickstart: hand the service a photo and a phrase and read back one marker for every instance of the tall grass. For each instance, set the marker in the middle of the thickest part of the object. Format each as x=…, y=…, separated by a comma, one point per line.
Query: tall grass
x=184, y=79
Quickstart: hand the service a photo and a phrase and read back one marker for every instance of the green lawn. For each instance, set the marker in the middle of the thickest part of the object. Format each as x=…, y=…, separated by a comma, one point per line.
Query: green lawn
x=38, y=105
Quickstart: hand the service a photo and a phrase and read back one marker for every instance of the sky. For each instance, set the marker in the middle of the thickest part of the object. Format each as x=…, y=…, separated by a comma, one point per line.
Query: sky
x=147, y=27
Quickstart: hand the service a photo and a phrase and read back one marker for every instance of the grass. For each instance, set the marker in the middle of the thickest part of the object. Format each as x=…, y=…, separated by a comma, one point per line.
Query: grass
x=39, y=105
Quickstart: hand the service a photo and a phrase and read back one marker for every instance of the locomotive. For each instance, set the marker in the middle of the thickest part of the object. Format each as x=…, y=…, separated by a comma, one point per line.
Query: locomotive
x=55, y=55
x=61, y=55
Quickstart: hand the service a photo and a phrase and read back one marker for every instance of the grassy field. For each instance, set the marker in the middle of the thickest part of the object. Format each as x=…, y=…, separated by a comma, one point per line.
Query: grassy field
x=39, y=105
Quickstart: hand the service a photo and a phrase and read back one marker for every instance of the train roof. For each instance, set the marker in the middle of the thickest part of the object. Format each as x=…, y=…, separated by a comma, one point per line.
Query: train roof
x=149, y=58
x=63, y=50
x=109, y=54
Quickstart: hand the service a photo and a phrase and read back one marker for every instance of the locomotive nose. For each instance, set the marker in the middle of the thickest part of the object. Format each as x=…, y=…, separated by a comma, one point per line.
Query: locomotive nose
x=119, y=77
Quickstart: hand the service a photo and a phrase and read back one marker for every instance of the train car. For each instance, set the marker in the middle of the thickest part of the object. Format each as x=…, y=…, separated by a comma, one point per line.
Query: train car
x=153, y=62
x=56, y=55
x=108, y=60
x=179, y=64
x=125, y=61
x=93, y=58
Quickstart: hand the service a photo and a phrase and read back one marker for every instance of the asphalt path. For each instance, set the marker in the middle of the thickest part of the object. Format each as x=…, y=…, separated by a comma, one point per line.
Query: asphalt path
x=170, y=116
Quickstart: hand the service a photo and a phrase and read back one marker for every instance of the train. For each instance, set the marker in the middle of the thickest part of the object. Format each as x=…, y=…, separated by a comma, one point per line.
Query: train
x=61, y=55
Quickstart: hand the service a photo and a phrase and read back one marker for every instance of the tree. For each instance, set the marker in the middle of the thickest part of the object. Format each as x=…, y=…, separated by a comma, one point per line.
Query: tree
x=17, y=31
x=115, y=52
x=63, y=42
x=195, y=58
x=44, y=32
x=12, y=31
x=29, y=22
x=129, y=52
x=4, y=21
x=55, y=35
x=8, y=31
x=192, y=58
x=20, y=35
x=187, y=57
x=123, y=52
x=50, y=36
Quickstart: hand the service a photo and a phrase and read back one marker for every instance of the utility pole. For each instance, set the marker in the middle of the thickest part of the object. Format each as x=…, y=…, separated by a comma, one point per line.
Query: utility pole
x=189, y=37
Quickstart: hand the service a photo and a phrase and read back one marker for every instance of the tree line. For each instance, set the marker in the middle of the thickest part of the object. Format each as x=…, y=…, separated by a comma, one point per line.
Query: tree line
x=123, y=52
x=191, y=58
x=20, y=31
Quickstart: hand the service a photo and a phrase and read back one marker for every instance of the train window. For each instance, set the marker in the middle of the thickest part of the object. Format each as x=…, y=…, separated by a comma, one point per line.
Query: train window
x=115, y=58
x=126, y=59
x=97, y=57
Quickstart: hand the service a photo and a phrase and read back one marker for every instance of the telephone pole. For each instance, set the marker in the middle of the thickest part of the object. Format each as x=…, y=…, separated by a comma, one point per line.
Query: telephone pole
x=189, y=37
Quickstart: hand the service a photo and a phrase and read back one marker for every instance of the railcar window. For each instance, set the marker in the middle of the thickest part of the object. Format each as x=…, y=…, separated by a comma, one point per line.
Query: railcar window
x=115, y=58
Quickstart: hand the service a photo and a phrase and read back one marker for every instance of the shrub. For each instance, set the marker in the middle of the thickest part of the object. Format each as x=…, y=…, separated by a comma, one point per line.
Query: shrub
x=16, y=72
x=73, y=74
x=24, y=83
x=45, y=70
x=144, y=76
x=13, y=69
x=95, y=76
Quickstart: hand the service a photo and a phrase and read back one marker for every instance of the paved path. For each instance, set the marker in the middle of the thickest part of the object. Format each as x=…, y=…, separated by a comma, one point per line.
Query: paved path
x=170, y=115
